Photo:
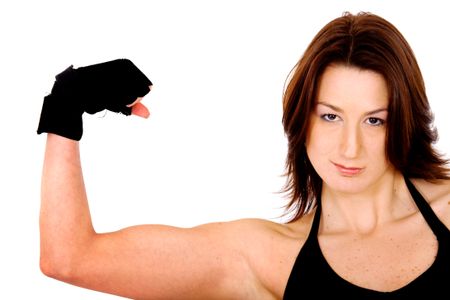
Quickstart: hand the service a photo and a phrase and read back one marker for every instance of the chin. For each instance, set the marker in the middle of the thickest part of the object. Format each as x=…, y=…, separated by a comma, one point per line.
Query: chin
x=347, y=184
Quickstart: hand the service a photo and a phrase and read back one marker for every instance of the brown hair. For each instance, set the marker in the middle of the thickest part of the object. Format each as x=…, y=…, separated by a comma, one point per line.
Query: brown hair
x=365, y=41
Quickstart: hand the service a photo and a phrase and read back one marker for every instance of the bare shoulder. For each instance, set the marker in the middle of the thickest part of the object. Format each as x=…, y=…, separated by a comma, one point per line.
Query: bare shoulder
x=437, y=193
x=262, y=232
x=270, y=248
x=263, y=228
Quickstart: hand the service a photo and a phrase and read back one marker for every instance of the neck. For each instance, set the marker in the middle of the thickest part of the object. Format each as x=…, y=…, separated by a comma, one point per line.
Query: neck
x=364, y=212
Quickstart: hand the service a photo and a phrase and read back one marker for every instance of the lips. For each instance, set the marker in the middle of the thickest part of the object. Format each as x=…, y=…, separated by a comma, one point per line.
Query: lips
x=348, y=171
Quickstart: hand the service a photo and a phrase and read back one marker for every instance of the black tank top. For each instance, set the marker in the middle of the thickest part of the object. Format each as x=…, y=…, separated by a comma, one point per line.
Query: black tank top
x=312, y=278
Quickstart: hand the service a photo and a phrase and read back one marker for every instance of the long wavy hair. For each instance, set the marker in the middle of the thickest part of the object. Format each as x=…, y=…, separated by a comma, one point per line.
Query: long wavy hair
x=368, y=42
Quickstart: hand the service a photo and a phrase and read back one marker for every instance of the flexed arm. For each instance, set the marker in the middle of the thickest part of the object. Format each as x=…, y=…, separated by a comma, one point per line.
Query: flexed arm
x=139, y=262
x=65, y=221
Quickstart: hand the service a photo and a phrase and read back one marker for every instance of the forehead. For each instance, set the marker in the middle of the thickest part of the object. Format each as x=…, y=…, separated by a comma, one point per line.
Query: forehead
x=347, y=86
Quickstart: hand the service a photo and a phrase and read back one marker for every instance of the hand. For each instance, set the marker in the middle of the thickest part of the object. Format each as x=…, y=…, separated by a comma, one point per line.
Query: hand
x=116, y=85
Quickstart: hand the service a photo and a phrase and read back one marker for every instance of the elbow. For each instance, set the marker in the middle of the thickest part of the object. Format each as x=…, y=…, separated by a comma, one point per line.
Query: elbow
x=47, y=267
x=57, y=267
x=63, y=260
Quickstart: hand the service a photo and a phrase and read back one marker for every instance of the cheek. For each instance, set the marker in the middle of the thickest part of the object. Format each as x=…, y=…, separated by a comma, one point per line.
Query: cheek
x=375, y=146
x=319, y=141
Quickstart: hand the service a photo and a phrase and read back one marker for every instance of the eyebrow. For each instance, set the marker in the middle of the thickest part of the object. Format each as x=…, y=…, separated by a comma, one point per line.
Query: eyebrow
x=338, y=109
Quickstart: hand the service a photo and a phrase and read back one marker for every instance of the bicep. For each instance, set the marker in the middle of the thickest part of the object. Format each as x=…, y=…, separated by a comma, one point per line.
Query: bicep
x=158, y=262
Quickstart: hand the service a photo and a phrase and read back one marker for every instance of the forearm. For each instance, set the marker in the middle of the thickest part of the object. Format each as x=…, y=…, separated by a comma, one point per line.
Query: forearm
x=65, y=222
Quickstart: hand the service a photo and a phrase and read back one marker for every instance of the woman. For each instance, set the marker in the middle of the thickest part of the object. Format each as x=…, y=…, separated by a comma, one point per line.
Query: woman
x=369, y=194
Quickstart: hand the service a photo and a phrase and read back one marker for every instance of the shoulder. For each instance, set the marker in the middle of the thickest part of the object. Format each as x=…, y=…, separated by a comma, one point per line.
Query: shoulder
x=260, y=232
x=268, y=248
x=437, y=193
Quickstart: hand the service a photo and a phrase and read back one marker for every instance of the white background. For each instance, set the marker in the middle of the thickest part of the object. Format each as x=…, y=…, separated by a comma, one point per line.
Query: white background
x=213, y=149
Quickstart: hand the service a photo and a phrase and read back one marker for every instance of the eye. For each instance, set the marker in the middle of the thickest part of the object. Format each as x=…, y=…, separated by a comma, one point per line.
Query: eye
x=375, y=121
x=329, y=117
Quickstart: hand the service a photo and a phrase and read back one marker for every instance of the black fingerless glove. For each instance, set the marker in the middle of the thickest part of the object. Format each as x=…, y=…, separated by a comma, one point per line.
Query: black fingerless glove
x=110, y=85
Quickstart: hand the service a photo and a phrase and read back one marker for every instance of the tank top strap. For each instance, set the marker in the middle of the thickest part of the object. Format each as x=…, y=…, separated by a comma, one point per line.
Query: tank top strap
x=313, y=232
x=430, y=217
x=316, y=221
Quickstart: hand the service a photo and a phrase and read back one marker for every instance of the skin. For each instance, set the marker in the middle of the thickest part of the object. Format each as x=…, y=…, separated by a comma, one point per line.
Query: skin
x=370, y=233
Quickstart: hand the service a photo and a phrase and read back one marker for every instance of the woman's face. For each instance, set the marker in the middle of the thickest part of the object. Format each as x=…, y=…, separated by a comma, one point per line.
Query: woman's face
x=347, y=130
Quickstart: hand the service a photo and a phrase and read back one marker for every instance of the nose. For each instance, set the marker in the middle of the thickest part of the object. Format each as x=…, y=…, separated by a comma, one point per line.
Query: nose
x=350, y=142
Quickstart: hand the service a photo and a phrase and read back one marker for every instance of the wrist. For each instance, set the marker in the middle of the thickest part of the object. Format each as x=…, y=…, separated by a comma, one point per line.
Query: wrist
x=59, y=118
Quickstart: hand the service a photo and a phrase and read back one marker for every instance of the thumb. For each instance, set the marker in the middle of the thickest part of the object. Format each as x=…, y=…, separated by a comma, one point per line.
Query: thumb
x=140, y=110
